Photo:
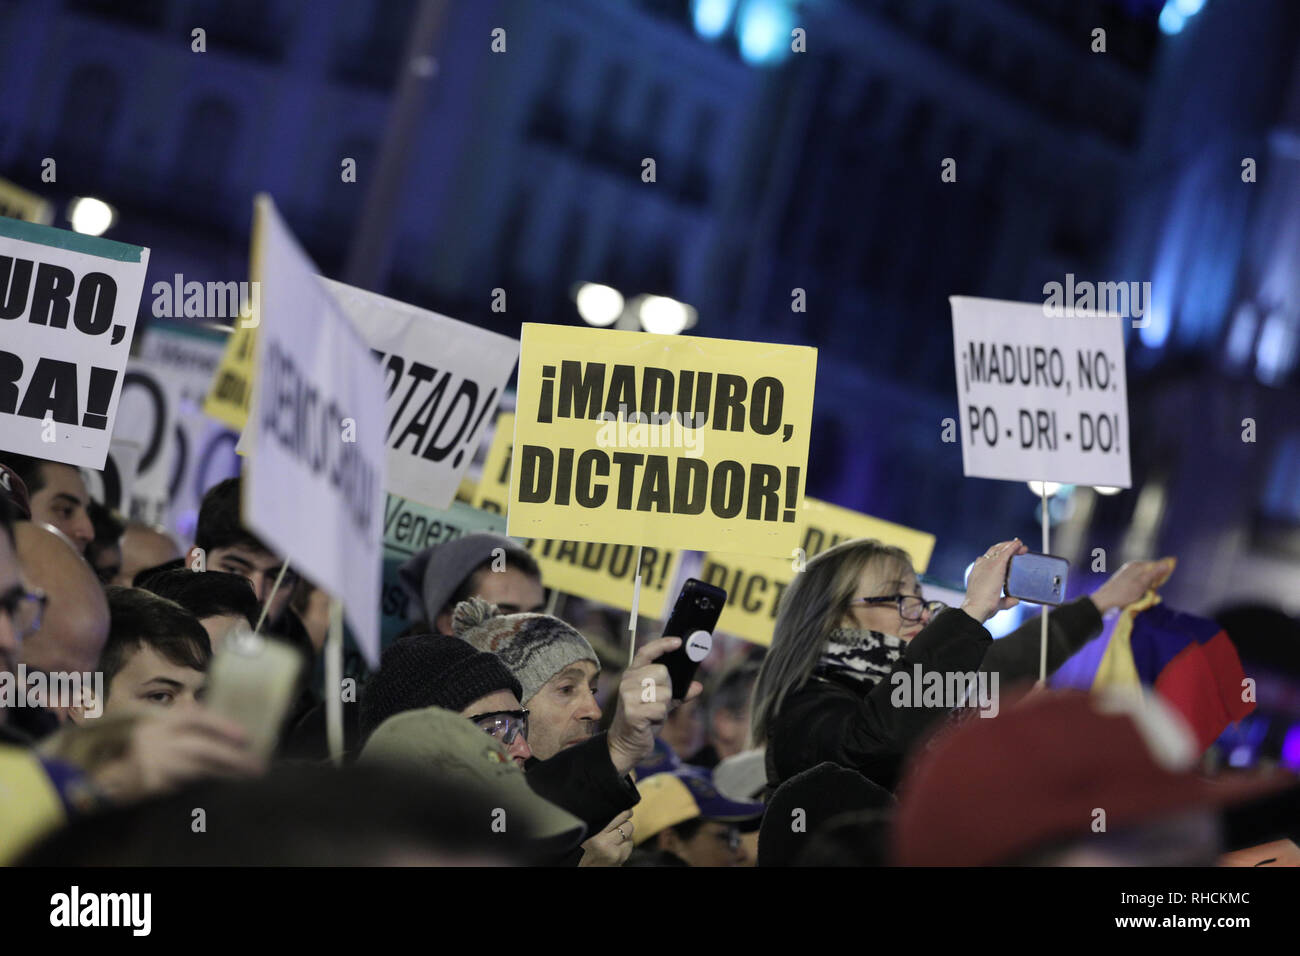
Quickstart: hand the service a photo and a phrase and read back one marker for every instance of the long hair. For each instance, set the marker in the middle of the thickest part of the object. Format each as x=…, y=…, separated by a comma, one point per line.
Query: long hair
x=811, y=608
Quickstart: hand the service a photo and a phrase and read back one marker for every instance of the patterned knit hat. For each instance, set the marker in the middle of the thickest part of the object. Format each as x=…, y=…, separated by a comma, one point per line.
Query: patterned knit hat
x=535, y=647
x=430, y=670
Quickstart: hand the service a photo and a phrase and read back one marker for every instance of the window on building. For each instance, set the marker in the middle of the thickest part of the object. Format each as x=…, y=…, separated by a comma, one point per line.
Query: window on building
x=697, y=185
x=372, y=57
x=206, y=149
x=256, y=28
x=1277, y=519
x=92, y=102
x=608, y=142
x=550, y=122
x=147, y=14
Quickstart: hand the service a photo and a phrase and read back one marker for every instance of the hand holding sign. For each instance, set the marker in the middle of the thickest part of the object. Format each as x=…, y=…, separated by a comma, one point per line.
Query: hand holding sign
x=644, y=695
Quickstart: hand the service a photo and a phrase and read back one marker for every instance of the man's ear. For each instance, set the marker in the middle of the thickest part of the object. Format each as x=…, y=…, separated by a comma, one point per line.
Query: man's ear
x=88, y=707
x=81, y=712
x=443, y=623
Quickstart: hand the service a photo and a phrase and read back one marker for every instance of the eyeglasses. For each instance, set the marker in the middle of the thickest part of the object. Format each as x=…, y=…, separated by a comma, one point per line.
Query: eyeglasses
x=25, y=609
x=504, y=725
x=910, y=606
x=730, y=836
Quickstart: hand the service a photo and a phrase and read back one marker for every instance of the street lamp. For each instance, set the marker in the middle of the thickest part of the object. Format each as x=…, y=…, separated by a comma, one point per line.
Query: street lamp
x=90, y=216
x=599, y=305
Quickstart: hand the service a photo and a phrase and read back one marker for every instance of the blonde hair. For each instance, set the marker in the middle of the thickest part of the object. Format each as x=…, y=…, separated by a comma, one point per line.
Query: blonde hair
x=811, y=608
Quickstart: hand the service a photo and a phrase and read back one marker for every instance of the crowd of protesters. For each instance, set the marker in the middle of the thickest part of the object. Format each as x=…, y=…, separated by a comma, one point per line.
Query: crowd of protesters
x=495, y=733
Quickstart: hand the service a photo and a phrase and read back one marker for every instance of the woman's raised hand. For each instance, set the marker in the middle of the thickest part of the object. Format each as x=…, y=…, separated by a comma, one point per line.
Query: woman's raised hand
x=984, y=586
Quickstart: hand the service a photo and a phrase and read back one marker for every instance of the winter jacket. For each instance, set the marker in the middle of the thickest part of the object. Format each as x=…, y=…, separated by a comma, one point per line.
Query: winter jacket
x=582, y=780
x=832, y=719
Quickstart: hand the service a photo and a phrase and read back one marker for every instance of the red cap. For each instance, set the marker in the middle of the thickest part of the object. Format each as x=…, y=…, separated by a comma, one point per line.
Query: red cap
x=994, y=789
x=13, y=488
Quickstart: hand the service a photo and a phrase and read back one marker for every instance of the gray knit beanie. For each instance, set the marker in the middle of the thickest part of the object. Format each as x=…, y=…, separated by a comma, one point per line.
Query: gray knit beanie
x=535, y=647
x=433, y=576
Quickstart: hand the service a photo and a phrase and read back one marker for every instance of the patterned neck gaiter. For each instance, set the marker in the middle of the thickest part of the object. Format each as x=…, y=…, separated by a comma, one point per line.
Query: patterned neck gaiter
x=866, y=657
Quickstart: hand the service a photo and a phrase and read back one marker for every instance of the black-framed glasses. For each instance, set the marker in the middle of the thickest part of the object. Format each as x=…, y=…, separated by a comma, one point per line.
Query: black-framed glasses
x=25, y=609
x=910, y=606
x=504, y=725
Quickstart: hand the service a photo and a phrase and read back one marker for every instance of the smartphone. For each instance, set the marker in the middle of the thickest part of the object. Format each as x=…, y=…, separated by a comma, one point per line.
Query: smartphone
x=694, y=616
x=1037, y=578
x=252, y=681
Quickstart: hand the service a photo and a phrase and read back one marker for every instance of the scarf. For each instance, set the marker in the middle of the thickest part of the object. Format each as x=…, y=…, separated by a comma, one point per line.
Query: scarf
x=864, y=657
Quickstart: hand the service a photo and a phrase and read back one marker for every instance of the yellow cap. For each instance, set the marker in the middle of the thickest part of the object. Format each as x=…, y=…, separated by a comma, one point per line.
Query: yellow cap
x=29, y=804
x=665, y=802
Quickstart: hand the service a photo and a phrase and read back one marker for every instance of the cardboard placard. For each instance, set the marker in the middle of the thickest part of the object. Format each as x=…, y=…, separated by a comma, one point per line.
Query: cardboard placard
x=67, y=313
x=19, y=203
x=597, y=572
x=443, y=378
x=631, y=438
x=184, y=452
x=754, y=585
x=1040, y=398
x=410, y=527
x=315, y=473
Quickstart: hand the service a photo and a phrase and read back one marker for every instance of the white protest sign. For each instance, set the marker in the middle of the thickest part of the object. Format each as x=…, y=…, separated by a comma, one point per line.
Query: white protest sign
x=314, y=487
x=111, y=486
x=1040, y=398
x=443, y=377
x=184, y=451
x=67, y=313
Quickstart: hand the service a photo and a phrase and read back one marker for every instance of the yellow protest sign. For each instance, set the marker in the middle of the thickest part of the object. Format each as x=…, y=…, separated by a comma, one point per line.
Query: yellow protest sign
x=598, y=572
x=18, y=203
x=232, y=385
x=754, y=585
x=667, y=441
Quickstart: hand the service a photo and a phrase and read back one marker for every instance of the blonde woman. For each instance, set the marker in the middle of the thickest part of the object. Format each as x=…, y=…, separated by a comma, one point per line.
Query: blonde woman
x=855, y=617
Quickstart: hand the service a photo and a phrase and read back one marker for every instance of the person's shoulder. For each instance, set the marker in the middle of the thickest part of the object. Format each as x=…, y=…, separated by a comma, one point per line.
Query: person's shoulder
x=818, y=692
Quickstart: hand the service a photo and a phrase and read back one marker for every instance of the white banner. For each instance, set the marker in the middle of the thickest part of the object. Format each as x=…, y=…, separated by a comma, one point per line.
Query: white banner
x=67, y=313
x=111, y=486
x=314, y=484
x=184, y=452
x=1040, y=398
x=443, y=380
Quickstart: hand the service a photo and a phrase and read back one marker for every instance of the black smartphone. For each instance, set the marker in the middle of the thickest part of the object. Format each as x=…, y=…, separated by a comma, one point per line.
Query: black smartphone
x=694, y=616
x=1037, y=578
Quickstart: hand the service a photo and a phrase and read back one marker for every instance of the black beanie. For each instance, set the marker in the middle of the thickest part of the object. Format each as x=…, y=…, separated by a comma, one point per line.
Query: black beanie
x=821, y=792
x=431, y=670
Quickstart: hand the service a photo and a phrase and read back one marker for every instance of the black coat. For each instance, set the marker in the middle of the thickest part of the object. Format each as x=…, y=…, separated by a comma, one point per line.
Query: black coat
x=582, y=780
x=829, y=719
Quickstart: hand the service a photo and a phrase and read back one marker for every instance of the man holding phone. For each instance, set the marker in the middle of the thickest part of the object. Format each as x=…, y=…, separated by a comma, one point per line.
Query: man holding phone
x=581, y=771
